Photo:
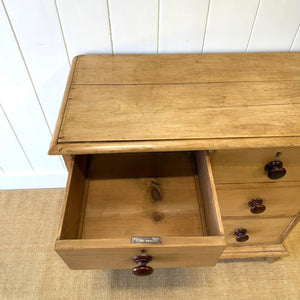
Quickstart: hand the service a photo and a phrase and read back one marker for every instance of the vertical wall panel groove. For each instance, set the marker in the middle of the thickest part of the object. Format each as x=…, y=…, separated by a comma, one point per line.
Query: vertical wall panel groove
x=227, y=30
x=12, y=157
x=109, y=24
x=206, y=21
x=134, y=26
x=85, y=25
x=252, y=27
x=62, y=32
x=158, y=25
x=295, y=46
x=27, y=70
x=39, y=35
x=182, y=25
x=20, y=103
x=38, y=39
x=275, y=26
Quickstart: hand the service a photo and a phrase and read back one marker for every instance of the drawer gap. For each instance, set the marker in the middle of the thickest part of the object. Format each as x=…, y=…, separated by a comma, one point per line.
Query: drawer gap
x=84, y=199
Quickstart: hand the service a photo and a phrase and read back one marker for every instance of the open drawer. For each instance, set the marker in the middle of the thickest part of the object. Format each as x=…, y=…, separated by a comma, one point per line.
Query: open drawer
x=111, y=198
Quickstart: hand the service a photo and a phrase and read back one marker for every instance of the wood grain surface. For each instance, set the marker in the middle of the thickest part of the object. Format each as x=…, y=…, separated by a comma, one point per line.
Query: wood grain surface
x=260, y=231
x=150, y=101
x=248, y=165
x=254, y=251
x=280, y=199
x=31, y=269
x=168, y=112
x=187, y=68
x=117, y=253
x=110, y=198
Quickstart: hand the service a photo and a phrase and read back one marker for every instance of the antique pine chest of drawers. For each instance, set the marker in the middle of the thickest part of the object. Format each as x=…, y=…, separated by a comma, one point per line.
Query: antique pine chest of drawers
x=178, y=160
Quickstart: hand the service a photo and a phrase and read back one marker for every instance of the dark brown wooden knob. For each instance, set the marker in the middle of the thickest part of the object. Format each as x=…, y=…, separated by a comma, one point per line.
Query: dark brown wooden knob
x=256, y=206
x=241, y=235
x=142, y=269
x=275, y=169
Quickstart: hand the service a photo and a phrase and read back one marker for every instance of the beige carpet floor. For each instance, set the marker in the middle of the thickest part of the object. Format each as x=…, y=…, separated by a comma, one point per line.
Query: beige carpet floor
x=30, y=269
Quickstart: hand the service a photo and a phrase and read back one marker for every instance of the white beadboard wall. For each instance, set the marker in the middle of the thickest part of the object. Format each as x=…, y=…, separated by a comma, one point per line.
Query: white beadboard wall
x=39, y=38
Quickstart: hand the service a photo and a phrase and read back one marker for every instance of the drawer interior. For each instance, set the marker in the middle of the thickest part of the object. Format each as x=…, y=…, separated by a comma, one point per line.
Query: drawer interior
x=117, y=196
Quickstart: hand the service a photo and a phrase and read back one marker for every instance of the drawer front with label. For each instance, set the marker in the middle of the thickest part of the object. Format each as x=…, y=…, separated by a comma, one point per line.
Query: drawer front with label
x=113, y=197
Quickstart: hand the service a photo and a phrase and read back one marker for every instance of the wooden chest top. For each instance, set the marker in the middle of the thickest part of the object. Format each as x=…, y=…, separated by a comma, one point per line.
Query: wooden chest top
x=133, y=103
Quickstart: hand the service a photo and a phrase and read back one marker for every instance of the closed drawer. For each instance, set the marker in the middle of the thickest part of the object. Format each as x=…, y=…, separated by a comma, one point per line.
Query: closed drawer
x=279, y=199
x=112, y=198
x=259, y=230
x=248, y=165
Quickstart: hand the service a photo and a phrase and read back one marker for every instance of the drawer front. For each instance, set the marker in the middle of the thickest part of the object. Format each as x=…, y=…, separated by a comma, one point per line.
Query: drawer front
x=259, y=230
x=118, y=254
x=248, y=165
x=110, y=198
x=282, y=199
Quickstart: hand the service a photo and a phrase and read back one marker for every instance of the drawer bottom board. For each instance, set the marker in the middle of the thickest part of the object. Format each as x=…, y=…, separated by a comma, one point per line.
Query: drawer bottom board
x=141, y=195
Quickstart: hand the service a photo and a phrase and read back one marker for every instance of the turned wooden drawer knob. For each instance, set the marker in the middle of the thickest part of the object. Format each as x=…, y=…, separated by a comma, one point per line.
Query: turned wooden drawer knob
x=241, y=235
x=275, y=169
x=142, y=269
x=256, y=206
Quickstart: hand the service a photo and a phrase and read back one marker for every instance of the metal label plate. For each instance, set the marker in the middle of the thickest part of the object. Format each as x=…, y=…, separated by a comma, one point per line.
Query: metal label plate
x=145, y=239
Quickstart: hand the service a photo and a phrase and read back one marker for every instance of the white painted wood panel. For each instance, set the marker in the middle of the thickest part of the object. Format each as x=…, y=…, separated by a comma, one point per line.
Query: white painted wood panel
x=296, y=42
x=35, y=64
x=134, y=25
x=37, y=28
x=12, y=158
x=20, y=103
x=33, y=181
x=275, y=25
x=229, y=25
x=182, y=25
x=85, y=25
